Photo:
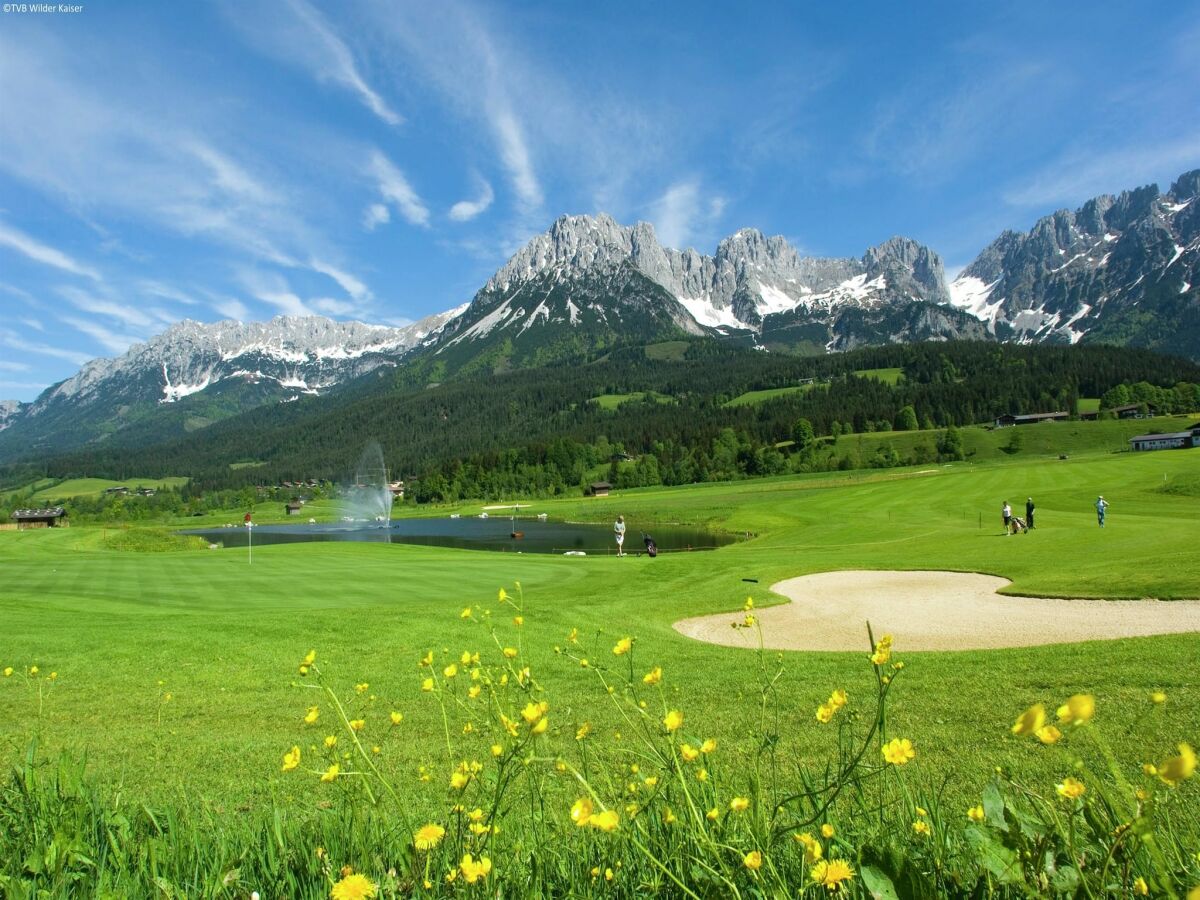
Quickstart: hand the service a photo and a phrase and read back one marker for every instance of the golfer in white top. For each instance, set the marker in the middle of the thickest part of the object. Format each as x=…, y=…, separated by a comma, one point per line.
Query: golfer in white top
x=619, y=532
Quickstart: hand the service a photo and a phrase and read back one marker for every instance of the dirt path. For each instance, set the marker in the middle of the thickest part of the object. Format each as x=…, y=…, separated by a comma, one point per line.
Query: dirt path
x=934, y=611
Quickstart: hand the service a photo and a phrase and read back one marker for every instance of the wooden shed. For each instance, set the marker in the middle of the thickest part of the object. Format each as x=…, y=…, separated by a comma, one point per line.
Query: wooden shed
x=50, y=517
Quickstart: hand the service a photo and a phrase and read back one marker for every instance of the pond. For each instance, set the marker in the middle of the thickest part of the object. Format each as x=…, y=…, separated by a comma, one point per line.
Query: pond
x=497, y=533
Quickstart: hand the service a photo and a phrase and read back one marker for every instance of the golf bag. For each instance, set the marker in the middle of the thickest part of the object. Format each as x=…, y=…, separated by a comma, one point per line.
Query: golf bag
x=1018, y=525
x=651, y=547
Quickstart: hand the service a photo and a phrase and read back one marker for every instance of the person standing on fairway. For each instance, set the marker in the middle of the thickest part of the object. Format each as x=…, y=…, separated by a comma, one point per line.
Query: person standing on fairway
x=619, y=533
x=1028, y=512
x=1101, y=506
x=1006, y=512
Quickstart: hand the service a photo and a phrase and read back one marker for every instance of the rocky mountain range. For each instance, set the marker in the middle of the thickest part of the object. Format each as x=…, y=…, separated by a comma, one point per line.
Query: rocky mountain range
x=1122, y=269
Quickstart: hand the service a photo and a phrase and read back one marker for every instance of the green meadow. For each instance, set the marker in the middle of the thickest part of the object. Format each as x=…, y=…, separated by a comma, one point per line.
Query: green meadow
x=123, y=629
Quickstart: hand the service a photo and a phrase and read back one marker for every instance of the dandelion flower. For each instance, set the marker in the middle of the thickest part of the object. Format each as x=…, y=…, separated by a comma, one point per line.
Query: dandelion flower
x=827, y=831
x=1078, y=710
x=673, y=720
x=654, y=676
x=1177, y=768
x=396, y=717
x=428, y=836
x=752, y=860
x=312, y=715
x=473, y=871
x=898, y=751
x=975, y=814
x=739, y=804
x=623, y=646
x=606, y=821
x=331, y=773
x=291, y=759
x=1030, y=721
x=1070, y=789
x=353, y=887
x=831, y=873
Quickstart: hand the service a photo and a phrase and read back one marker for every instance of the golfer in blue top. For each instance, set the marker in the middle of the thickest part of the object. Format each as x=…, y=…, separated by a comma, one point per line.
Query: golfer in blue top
x=1101, y=506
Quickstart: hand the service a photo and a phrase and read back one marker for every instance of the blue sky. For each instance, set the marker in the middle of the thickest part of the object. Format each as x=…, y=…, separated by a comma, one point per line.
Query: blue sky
x=379, y=160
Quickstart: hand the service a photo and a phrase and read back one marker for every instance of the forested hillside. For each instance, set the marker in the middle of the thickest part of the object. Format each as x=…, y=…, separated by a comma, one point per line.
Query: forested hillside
x=550, y=426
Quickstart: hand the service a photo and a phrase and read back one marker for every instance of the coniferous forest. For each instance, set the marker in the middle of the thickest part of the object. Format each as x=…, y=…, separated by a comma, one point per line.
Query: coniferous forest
x=666, y=421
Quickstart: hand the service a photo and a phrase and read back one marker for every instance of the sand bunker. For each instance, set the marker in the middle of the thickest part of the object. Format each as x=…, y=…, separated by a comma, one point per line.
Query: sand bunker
x=935, y=611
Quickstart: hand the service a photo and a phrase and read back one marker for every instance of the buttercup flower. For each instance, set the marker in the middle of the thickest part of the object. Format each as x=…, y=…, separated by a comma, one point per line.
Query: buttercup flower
x=1177, y=768
x=1078, y=710
x=331, y=741
x=396, y=717
x=921, y=828
x=623, y=646
x=739, y=804
x=510, y=652
x=428, y=836
x=752, y=860
x=1158, y=698
x=606, y=821
x=357, y=724
x=450, y=671
x=812, y=847
x=827, y=831
x=1030, y=720
x=673, y=720
x=1048, y=734
x=975, y=813
x=825, y=713
x=472, y=870
x=688, y=752
x=312, y=715
x=1070, y=789
x=898, y=751
x=310, y=658
x=331, y=773
x=353, y=887
x=883, y=650
x=291, y=759
x=466, y=613
x=581, y=811
x=654, y=676
x=1140, y=887
x=708, y=746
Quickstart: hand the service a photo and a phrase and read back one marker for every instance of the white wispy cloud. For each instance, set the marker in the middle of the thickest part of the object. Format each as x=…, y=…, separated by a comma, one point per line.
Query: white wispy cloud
x=331, y=307
x=272, y=289
x=13, y=366
x=351, y=285
x=682, y=213
x=394, y=188
x=1083, y=173
x=44, y=253
x=16, y=341
x=114, y=341
x=127, y=315
x=166, y=292
x=465, y=210
x=375, y=215
x=229, y=308
x=35, y=324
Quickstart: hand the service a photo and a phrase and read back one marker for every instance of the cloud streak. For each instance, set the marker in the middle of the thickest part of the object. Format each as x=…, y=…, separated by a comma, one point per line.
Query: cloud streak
x=44, y=253
x=395, y=189
x=465, y=210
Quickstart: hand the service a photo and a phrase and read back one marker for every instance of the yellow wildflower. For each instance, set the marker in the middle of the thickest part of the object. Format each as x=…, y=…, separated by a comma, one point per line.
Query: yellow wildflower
x=921, y=828
x=376, y=749
x=584, y=730
x=581, y=811
x=540, y=726
x=673, y=720
x=312, y=715
x=922, y=811
x=331, y=773
x=623, y=646
x=459, y=780
x=510, y=652
x=353, y=887
x=838, y=699
x=472, y=870
x=713, y=814
x=1078, y=710
x=331, y=741
x=688, y=752
x=518, y=621
x=975, y=813
x=362, y=687
x=357, y=724
x=898, y=751
x=883, y=650
x=310, y=658
x=396, y=717
x=1149, y=769
x=831, y=873
x=1048, y=734
x=497, y=749
x=8, y=670
x=708, y=746
x=474, y=691
x=1070, y=789
x=702, y=774
x=428, y=836
x=427, y=685
x=1031, y=720
x=668, y=817
x=1140, y=887
x=606, y=821
x=1158, y=698
x=750, y=621
x=291, y=759
x=752, y=860
x=608, y=874
x=466, y=613
x=825, y=713
x=450, y=671
x=739, y=804
x=827, y=831
x=654, y=676
x=573, y=637
x=1177, y=768
x=531, y=713
x=812, y=847
x=427, y=659
x=33, y=670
